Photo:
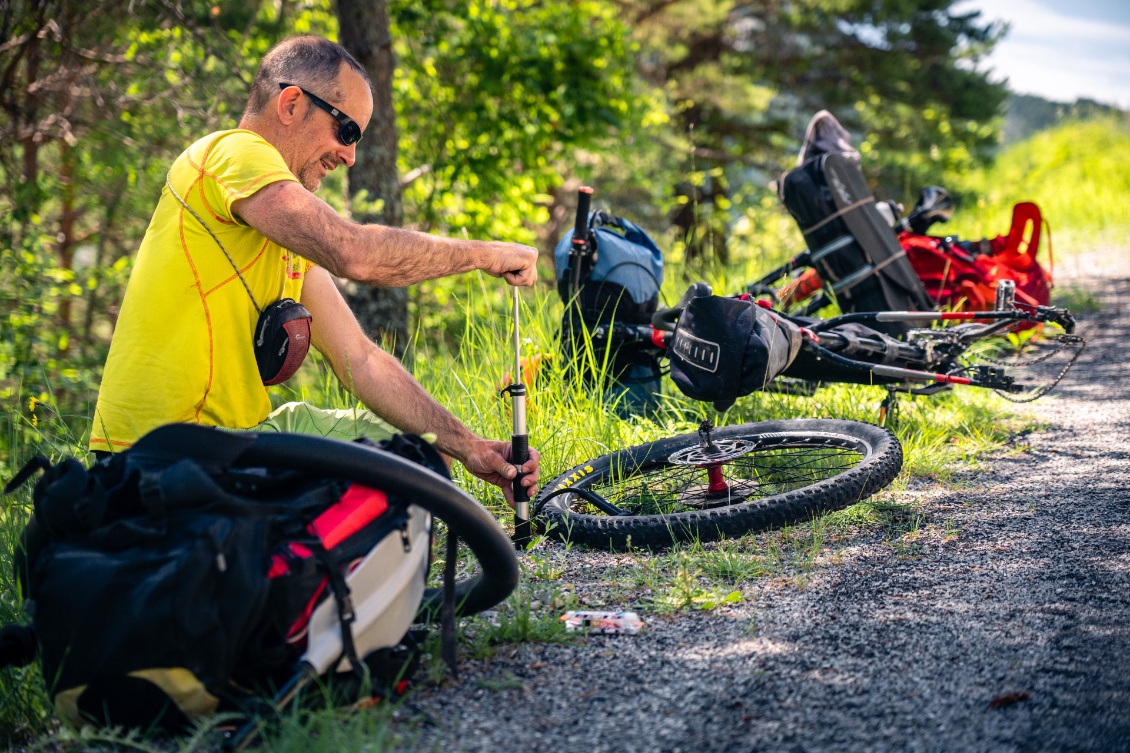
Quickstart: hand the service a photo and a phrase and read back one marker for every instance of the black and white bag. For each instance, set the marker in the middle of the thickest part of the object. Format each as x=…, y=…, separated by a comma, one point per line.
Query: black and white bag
x=203, y=570
x=726, y=348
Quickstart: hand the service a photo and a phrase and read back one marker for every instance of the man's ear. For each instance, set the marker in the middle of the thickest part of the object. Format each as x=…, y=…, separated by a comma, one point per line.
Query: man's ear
x=287, y=107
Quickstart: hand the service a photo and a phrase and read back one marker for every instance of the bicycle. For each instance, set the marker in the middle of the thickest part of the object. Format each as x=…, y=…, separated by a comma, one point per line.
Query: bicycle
x=730, y=481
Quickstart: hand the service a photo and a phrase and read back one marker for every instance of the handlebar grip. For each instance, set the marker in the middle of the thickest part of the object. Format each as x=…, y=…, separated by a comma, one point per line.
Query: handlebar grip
x=581, y=225
x=520, y=453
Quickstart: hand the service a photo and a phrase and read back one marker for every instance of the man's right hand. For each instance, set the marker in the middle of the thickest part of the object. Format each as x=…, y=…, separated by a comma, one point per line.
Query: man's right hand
x=513, y=262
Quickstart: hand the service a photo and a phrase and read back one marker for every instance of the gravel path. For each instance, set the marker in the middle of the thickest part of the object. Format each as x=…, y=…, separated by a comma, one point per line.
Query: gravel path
x=1005, y=627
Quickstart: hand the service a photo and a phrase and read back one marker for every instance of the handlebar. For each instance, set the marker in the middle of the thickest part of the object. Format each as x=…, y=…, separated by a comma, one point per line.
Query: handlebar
x=581, y=222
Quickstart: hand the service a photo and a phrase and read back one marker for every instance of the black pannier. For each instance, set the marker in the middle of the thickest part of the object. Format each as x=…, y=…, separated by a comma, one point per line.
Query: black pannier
x=852, y=246
x=164, y=584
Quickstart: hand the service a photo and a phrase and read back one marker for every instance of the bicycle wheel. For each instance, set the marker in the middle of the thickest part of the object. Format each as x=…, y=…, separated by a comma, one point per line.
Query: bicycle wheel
x=749, y=477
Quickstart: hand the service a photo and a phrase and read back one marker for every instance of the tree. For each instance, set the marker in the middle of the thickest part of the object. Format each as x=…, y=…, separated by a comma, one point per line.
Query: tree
x=743, y=76
x=374, y=184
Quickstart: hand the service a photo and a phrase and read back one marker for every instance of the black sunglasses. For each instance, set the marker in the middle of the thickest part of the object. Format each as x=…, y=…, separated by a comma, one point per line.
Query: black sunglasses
x=348, y=132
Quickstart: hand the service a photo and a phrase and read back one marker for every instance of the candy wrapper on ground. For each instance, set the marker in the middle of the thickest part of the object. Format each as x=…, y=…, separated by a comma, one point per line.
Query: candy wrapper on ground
x=603, y=623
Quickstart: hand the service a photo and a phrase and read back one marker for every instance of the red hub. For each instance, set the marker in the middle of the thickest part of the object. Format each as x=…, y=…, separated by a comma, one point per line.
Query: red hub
x=717, y=485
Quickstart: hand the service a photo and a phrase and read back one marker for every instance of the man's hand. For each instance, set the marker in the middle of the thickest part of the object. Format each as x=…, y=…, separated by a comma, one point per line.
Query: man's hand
x=489, y=460
x=513, y=262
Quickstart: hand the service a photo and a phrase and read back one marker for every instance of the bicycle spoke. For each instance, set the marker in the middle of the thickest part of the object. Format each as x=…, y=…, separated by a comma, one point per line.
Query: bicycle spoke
x=660, y=488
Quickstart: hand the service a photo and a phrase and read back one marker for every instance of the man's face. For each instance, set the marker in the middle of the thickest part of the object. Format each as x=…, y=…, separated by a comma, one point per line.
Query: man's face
x=316, y=148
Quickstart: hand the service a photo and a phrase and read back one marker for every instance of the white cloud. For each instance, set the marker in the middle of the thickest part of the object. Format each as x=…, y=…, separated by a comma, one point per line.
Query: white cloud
x=1058, y=56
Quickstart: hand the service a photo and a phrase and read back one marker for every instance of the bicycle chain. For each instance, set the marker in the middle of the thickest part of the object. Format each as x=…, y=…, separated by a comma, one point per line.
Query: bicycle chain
x=1068, y=341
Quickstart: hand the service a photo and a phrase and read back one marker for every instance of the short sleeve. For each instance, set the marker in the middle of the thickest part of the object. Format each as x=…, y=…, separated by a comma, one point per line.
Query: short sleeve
x=238, y=164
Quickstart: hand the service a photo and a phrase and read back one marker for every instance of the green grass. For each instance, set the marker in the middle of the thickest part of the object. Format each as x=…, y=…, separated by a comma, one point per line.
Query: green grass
x=1079, y=175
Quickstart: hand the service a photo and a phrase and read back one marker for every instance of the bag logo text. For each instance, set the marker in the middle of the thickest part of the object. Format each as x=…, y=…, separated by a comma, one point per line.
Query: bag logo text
x=699, y=353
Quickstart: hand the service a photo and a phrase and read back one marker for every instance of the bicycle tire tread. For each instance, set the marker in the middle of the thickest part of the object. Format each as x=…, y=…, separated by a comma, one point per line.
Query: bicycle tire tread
x=872, y=474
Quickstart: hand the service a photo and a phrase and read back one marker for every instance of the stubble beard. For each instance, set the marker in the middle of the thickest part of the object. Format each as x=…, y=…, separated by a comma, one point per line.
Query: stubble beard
x=308, y=172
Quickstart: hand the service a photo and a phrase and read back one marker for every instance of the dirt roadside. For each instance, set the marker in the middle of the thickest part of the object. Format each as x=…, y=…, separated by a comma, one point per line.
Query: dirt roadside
x=1010, y=633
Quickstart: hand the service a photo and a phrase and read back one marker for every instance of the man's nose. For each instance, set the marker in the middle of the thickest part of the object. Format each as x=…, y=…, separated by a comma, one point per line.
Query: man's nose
x=348, y=154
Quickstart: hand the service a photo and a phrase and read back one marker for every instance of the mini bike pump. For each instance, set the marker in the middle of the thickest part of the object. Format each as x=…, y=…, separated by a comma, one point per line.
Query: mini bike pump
x=519, y=439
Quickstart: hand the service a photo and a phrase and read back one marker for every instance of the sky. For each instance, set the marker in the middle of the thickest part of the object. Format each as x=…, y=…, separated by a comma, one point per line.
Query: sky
x=1062, y=49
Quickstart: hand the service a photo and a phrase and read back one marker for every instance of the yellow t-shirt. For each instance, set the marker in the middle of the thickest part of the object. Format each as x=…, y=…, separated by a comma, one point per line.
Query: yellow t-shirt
x=182, y=348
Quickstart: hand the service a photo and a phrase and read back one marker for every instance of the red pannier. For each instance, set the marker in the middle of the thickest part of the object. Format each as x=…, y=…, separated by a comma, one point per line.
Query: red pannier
x=963, y=275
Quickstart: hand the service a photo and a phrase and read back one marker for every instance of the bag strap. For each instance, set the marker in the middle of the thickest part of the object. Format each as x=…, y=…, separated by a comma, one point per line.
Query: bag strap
x=345, y=612
x=183, y=203
x=37, y=463
x=849, y=208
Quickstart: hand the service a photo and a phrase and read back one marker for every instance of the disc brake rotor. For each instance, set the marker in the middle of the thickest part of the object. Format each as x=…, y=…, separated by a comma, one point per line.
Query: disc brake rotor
x=723, y=451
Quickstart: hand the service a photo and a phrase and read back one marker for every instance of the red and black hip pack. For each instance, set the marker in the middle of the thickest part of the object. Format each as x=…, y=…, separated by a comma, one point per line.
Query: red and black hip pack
x=282, y=340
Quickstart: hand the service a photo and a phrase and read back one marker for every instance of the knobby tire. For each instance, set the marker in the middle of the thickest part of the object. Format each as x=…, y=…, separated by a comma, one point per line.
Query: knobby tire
x=797, y=470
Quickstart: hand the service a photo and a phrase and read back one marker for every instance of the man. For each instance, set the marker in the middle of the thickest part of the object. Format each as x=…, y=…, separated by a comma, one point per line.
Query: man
x=237, y=228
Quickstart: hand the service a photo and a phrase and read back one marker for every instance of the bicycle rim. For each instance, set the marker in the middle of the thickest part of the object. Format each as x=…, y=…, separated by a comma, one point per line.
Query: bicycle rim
x=761, y=476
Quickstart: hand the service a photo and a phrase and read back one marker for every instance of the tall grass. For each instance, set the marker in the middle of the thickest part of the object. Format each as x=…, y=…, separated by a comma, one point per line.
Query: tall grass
x=569, y=424
x=1079, y=175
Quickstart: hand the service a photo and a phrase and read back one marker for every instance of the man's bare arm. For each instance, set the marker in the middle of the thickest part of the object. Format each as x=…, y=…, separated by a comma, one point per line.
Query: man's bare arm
x=381, y=383
x=379, y=255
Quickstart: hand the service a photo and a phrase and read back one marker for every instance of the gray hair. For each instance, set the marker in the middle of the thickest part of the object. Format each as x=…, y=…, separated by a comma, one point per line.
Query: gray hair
x=311, y=62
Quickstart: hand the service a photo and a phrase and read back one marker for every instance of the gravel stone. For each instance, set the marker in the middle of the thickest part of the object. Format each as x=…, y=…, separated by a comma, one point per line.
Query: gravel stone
x=1010, y=634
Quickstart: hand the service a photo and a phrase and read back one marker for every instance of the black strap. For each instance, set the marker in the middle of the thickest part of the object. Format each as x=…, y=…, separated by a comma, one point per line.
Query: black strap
x=345, y=612
x=447, y=609
x=37, y=463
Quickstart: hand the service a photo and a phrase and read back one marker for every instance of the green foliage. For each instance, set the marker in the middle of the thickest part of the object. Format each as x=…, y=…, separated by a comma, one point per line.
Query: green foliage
x=742, y=78
x=1028, y=115
x=494, y=98
x=1078, y=173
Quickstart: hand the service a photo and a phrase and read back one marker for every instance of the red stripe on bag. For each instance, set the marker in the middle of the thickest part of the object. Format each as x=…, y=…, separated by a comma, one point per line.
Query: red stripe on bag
x=358, y=507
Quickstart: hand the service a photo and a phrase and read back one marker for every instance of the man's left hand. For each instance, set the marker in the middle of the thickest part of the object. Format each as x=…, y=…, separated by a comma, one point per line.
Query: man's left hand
x=489, y=460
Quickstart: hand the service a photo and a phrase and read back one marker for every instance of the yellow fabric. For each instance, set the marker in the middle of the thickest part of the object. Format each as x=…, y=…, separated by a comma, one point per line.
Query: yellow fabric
x=66, y=706
x=182, y=349
x=178, y=683
x=186, y=690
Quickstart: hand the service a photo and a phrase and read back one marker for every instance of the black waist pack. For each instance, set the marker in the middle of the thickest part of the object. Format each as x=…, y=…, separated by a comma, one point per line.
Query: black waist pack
x=165, y=585
x=725, y=348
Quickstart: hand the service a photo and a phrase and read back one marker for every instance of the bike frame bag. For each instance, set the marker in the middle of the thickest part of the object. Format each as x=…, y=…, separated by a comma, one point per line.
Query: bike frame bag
x=810, y=367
